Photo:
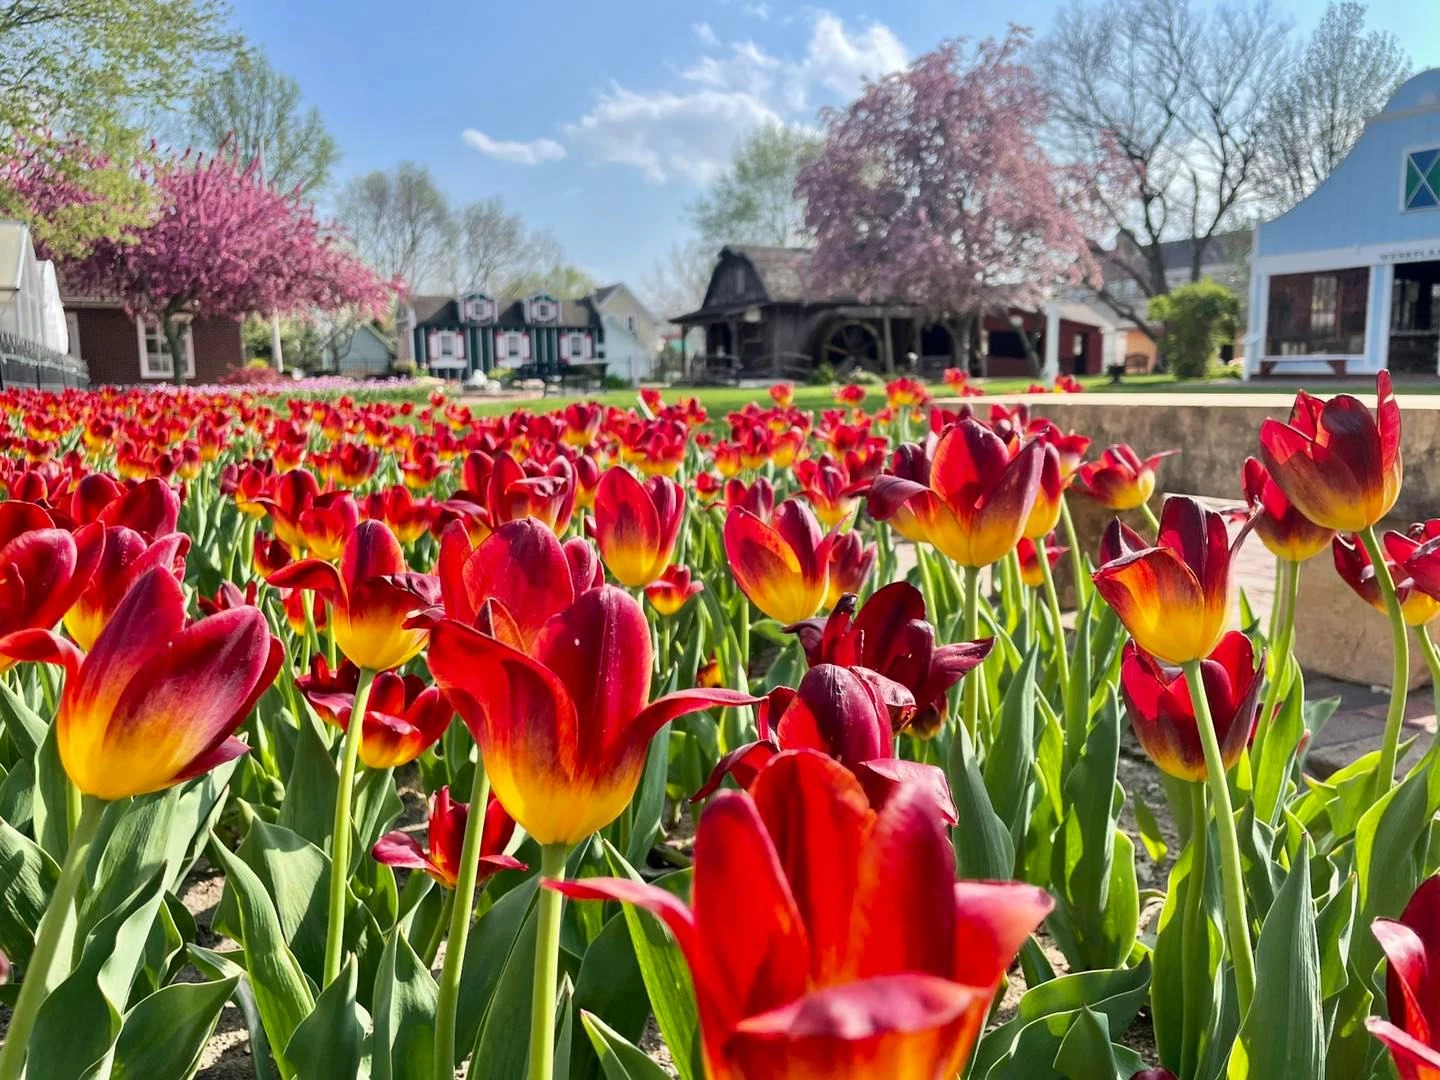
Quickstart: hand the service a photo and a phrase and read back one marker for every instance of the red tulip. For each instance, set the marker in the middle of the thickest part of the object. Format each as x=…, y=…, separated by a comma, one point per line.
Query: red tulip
x=1120, y=480
x=782, y=567
x=125, y=556
x=440, y=858
x=1412, y=993
x=515, y=580
x=1287, y=533
x=1031, y=572
x=1045, y=515
x=852, y=561
x=758, y=498
x=513, y=493
x=1163, y=716
x=850, y=394
x=564, y=732
x=670, y=592
x=636, y=525
x=827, y=487
x=151, y=508
x=889, y=634
x=1174, y=598
x=1336, y=463
x=1071, y=447
x=156, y=702
x=825, y=939
x=1418, y=555
x=978, y=499
x=1352, y=563
x=403, y=717
x=290, y=496
x=849, y=714
x=43, y=569
x=371, y=597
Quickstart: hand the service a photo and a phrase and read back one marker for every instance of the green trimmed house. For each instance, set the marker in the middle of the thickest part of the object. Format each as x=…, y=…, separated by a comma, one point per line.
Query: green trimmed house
x=539, y=335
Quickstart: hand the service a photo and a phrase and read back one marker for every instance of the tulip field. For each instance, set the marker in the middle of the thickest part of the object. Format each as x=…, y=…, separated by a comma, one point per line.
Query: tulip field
x=756, y=746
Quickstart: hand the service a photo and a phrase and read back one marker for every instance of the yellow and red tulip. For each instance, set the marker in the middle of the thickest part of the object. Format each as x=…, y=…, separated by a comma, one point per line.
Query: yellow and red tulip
x=372, y=596
x=1163, y=715
x=156, y=702
x=564, y=730
x=801, y=967
x=43, y=569
x=445, y=835
x=782, y=566
x=1352, y=563
x=1173, y=597
x=327, y=523
x=1285, y=532
x=852, y=561
x=403, y=716
x=124, y=558
x=1121, y=479
x=1045, y=514
x=672, y=590
x=1031, y=573
x=978, y=497
x=636, y=525
x=1336, y=463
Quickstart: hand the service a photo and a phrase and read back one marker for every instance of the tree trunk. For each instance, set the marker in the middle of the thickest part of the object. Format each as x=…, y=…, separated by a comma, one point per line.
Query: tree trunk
x=175, y=342
x=1034, y=359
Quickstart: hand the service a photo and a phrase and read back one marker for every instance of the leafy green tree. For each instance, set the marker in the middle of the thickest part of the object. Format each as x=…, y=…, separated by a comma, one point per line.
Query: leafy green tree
x=1197, y=318
x=83, y=70
x=256, y=111
x=754, y=201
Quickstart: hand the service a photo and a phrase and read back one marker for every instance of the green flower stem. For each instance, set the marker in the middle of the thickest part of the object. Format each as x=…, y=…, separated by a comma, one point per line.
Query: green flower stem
x=1432, y=660
x=1077, y=556
x=340, y=842
x=39, y=972
x=1400, y=672
x=1237, y=921
x=547, y=965
x=1149, y=516
x=1281, y=646
x=448, y=997
x=971, y=686
x=432, y=947
x=1194, y=993
x=1052, y=601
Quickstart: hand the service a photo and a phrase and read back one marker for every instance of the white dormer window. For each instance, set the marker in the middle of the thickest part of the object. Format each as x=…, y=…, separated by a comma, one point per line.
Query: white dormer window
x=575, y=346
x=478, y=309
x=544, y=309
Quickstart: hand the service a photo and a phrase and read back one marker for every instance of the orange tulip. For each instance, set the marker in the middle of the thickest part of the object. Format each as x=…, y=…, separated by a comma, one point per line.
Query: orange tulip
x=371, y=597
x=1287, y=533
x=156, y=702
x=564, y=732
x=672, y=590
x=1121, y=480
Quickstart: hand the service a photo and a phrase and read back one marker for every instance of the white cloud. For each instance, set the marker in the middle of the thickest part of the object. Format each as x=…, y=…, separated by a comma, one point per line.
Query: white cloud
x=840, y=61
x=517, y=153
x=759, y=11
x=732, y=88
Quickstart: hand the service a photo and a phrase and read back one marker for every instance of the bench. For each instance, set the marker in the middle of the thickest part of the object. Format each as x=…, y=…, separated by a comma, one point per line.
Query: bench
x=1269, y=363
x=581, y=377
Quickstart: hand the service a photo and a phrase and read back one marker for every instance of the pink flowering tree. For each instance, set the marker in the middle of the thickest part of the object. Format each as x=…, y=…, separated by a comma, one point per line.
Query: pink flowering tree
x=218, y=243
x=933, y=188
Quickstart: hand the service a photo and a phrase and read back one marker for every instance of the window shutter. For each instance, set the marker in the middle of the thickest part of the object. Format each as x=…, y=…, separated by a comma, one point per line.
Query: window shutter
x=585, y=346
x=460, y=346
x=525, y=347
x=432, y=345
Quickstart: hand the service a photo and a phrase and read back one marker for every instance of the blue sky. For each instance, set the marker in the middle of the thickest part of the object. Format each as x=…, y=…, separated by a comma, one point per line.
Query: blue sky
x=602, y=121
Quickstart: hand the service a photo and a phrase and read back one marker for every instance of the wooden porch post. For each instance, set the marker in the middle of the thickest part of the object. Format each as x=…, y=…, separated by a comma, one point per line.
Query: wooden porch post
x=889, y=349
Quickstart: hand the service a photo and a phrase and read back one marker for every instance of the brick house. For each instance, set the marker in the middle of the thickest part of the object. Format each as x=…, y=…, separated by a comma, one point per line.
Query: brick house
x=120, y=350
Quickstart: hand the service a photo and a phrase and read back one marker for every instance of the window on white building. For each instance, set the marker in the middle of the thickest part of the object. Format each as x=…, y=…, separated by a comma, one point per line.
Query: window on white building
x=512, y=343
x=575, y=346
x=155, y=359
x=445, y=345
x=630, y=323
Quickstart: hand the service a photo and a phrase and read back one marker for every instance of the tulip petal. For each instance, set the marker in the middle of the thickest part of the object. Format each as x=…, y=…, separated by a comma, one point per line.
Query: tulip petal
x=599, y=649
x=1414, y=1060
x=757, y=932
x=522, y=565
x=372, y=551
x=743, y=763
x=627, y=528
x=228, y=749
x=965, y=464
x=901, y=1027
x=768, y=570
x=314, y=575
x=819, y=819
x=884, y=777
x=1160, y=601
x=455, y=549
x=1317, y=480
x=401, y=849
x=178, y=708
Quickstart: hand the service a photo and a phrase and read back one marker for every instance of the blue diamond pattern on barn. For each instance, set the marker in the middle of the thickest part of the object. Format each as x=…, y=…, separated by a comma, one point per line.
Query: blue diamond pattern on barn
x=1422, y=179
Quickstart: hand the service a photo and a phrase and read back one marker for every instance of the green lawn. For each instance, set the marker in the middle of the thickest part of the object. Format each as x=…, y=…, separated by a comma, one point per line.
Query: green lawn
x=722, y=399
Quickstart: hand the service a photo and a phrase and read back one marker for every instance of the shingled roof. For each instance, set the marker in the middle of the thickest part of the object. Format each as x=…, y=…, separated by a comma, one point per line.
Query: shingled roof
x=783, y=271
